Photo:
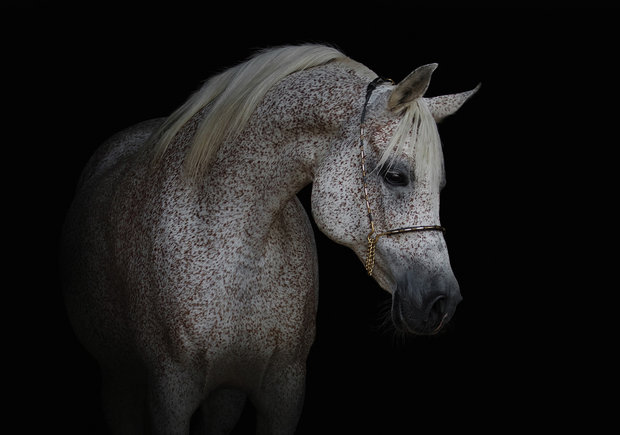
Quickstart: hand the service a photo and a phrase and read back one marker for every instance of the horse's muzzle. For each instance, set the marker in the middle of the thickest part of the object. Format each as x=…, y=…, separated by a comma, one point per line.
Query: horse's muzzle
x=424, y=304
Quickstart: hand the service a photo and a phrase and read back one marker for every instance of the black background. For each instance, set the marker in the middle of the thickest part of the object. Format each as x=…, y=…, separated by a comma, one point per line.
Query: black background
x=528, y=204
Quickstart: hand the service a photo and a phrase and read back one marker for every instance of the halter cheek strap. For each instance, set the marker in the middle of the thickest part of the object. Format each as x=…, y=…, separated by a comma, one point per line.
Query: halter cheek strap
x=373, y=235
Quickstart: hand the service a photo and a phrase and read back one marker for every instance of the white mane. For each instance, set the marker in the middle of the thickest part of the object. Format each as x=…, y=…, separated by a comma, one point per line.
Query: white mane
x=233, y=96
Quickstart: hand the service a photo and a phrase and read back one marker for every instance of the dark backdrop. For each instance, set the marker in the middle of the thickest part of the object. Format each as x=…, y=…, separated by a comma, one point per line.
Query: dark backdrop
x=528, y=161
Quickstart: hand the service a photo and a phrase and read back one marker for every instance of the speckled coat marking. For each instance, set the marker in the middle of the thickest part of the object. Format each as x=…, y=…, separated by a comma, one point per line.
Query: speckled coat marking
x=195, y=295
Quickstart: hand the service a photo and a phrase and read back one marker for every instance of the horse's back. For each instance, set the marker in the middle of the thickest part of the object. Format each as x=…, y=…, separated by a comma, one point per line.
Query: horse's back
x=118, y=148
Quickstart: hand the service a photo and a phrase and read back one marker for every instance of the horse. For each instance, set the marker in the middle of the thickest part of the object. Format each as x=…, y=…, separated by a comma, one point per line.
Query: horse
x=189, y=265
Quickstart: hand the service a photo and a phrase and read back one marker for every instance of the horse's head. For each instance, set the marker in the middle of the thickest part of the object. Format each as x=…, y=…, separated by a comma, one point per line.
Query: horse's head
x=377, y=192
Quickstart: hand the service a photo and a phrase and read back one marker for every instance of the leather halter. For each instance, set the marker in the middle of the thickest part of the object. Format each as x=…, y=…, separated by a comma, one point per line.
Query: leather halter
x=373, y=235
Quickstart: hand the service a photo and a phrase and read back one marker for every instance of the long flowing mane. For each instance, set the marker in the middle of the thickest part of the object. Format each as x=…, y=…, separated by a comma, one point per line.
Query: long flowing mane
x=229, y=99
x=232, y=97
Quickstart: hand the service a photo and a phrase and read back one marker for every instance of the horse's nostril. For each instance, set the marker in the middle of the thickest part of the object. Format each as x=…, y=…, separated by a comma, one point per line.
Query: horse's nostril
x=439, y=304
x=437, y=309
x=423, y=304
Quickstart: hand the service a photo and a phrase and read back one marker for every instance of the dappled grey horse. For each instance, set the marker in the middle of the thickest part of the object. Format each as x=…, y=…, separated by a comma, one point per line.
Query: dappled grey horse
x=190, y=269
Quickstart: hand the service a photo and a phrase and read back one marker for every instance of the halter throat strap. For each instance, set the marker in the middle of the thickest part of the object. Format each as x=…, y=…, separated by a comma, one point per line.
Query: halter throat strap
x=373, y=235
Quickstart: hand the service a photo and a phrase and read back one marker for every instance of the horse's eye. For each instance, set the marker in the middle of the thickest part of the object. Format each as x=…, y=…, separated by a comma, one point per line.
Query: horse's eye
x=395, y=178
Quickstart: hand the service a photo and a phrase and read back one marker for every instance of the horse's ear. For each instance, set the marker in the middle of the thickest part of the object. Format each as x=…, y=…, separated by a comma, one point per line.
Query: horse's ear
x=412, y=87
x=446, y=105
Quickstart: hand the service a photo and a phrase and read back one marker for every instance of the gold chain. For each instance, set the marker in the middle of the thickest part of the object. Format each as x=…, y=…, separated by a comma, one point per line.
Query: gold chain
x=370, y=256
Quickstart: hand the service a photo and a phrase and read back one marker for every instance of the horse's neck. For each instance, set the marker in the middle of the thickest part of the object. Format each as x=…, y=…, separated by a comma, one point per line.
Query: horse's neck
x=275, y=156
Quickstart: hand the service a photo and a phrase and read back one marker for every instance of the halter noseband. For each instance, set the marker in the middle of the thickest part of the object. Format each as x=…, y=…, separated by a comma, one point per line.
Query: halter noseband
x=373, y=236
